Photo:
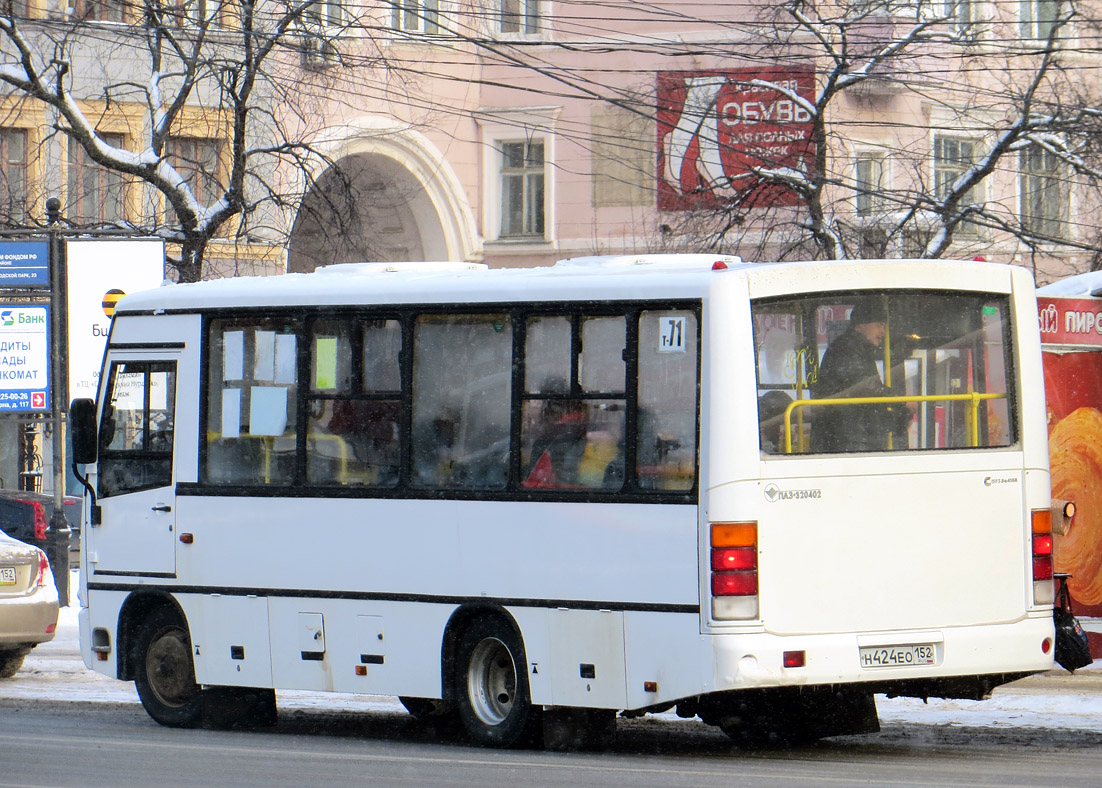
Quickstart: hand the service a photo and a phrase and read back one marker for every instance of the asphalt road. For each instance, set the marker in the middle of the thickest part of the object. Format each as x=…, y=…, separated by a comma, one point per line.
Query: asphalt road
x=51, y=744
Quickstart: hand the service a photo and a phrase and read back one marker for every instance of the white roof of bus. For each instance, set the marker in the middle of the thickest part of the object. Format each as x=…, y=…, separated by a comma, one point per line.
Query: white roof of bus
x=623, y=277
x=1088, y=284
x=676, y=276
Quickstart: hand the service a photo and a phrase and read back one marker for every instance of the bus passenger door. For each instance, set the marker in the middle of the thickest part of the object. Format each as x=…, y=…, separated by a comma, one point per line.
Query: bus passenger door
x=135, y=480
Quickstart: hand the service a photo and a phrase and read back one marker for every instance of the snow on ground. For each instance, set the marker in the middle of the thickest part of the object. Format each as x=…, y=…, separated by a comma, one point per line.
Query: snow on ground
x=54, y=670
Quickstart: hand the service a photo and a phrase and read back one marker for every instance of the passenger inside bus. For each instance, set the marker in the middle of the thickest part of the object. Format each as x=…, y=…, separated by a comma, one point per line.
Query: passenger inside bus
x=849, y=369
x=559, y=445
x=771, y=408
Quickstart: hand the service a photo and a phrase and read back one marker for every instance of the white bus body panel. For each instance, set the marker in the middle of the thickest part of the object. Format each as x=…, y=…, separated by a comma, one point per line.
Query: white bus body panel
x=879, y=555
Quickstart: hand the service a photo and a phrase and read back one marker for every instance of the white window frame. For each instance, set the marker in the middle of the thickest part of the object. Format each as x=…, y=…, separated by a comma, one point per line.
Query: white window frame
x=525, y=178
x=868, y=199
x=109, y=187
x=946, y=171
x=499, y=126
x=110, y=11
x=961, y=13
x=320, y=25
x=417, y=17
x=1057, y=224
x=325, y=15
x=15, y=201
x=530, y=18
x=1034, y=26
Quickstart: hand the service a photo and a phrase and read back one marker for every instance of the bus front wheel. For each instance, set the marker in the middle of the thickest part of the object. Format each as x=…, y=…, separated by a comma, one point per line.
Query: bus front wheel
x=164, y=674
x=494, y=704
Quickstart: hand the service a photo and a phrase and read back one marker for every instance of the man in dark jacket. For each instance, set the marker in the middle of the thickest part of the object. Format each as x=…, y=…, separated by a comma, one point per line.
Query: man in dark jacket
x=848, y=369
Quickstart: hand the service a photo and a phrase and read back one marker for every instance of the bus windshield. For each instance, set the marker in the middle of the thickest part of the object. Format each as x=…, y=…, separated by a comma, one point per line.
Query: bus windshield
x=865, y=371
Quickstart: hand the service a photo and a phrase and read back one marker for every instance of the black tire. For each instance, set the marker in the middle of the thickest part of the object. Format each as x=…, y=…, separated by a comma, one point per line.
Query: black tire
x=491, y=682
x=164, y=674
x=11, y=661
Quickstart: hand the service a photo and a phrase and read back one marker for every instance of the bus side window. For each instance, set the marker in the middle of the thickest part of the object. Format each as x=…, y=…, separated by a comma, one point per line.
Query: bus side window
x=137, y=428
x=352, y=431
x=572, y=423
x=462, y=371
x=252, y=403
x=667, y=395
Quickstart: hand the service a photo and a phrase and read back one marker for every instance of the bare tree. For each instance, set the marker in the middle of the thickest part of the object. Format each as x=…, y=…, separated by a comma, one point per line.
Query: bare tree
x=1004, y=107
x=206, y=91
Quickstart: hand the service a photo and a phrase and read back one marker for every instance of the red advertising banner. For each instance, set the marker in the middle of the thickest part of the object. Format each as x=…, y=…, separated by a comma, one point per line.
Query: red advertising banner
x=1071, y=333
x=1071, y=321
x=717, y=129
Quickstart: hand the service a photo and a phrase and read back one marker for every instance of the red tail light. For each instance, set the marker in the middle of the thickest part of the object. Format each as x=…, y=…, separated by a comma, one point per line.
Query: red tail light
x=1041, y=526
x=39, y=521
x=734, y=558
x=734, y=565
x=43, y=570
x=1042, y=567
x=734, y=583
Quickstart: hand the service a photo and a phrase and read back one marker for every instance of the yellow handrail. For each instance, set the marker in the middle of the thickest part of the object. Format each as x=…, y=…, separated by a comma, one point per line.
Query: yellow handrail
x=975, y=398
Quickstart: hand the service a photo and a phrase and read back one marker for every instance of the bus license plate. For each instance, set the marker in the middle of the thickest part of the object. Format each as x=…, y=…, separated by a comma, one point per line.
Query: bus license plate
x=7, y=575
x=897, y=656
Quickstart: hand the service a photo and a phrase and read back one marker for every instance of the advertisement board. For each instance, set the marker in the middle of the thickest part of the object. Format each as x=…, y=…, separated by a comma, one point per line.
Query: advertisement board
x=1071, y=336
x=718, y=129
x=100, y=272
x=24, y=264
x=24, y=358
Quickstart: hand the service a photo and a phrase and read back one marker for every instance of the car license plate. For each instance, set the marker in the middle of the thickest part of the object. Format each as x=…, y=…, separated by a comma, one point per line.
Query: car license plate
x=911, y=655
x=7, y=575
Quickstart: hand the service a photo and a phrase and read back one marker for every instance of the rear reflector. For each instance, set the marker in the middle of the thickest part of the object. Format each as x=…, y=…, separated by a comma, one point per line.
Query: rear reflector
x=794, y=659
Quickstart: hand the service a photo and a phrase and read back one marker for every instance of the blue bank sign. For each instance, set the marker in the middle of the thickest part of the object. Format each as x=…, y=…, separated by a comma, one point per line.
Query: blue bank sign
x=24, y=357
x=24, y=264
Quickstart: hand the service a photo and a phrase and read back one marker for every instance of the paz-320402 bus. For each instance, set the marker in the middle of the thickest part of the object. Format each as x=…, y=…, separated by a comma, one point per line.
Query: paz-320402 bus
x=531, y=499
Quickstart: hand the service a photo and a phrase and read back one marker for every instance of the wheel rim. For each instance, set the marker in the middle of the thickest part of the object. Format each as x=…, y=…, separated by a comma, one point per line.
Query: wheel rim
x=168, y=667
x=491, y=681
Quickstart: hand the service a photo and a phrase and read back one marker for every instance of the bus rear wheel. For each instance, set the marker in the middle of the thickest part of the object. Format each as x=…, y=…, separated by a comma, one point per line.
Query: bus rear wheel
x=494, y=704
x=164, y=674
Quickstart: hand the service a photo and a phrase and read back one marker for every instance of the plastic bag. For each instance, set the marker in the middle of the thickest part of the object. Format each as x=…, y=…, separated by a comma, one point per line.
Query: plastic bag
x=1072, y=647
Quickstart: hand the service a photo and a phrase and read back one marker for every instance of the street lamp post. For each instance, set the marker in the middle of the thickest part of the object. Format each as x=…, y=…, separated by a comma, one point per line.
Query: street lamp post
x=57, y=538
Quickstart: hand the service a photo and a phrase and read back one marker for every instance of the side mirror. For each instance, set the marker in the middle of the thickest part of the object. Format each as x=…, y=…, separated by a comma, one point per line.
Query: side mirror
x=82, y=425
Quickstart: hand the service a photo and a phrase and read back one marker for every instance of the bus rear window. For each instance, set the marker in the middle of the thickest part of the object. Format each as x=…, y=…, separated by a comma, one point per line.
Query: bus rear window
x=872, y=372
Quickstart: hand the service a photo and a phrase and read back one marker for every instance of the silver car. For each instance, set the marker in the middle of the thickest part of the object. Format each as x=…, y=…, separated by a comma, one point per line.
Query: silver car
x=28, y=602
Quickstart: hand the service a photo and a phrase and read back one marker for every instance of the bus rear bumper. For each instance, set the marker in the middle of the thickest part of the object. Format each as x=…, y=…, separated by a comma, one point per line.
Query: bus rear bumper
x=921, y=662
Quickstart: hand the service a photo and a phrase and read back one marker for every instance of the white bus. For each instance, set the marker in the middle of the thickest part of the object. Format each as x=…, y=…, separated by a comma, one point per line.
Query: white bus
x=529, y=499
